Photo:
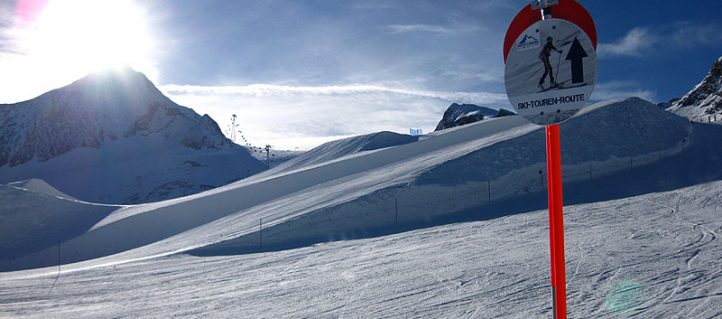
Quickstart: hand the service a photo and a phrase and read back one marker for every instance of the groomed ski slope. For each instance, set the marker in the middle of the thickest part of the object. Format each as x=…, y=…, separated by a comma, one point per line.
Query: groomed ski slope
x=350, y=196
x=651, y=256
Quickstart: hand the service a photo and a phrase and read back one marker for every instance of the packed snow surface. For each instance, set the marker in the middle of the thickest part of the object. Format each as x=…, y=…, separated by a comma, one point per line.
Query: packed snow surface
x=650, y=256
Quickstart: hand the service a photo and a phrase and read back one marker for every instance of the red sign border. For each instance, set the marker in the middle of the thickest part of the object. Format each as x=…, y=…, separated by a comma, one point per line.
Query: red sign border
x=569, y=10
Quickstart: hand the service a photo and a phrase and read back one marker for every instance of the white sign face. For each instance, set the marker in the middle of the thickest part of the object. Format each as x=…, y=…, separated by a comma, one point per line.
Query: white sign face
x=550, y=71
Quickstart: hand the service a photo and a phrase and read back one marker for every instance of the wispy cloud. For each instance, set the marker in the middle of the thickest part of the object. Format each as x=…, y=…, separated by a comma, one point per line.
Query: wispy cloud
x=270, y=90
x=688, y=34
x=634, y=43
x=8, y=31
x=680, y=35
x=304, y=116
x=464, y=73
x=406, y=28
x=622, y=89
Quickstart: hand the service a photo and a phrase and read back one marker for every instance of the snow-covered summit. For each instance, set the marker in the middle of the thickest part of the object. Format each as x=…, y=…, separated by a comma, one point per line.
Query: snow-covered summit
x=118, y=132
x=101, y=107
x=704, y=102
x=460, y=114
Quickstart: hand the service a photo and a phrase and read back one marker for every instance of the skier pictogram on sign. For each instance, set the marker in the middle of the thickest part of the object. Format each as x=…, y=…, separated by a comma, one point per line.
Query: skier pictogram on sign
x=544, y=55
x=550, y=79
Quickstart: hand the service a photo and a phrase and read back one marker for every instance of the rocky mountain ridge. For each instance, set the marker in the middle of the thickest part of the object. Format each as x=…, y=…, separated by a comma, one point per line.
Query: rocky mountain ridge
x=704, y=102
x=461, y=114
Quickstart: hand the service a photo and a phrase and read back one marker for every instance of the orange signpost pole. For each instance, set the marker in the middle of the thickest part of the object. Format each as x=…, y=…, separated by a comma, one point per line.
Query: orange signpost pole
x=556, y=222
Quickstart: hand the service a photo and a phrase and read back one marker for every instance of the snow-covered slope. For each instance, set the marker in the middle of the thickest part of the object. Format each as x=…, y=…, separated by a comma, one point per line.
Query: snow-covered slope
x=704, y=102
x=461, y=114
x=650, y=256
x=343, y=147
x=32, y=220
x=113, y=137
x=444, y=174
x=274, y=157
x=39, y=186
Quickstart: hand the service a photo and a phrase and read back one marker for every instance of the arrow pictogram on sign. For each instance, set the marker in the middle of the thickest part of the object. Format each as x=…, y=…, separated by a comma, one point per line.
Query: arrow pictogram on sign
x=576, y=55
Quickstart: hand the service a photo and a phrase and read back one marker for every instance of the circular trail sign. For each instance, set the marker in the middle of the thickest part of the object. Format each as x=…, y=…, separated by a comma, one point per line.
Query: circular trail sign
x=550, y=71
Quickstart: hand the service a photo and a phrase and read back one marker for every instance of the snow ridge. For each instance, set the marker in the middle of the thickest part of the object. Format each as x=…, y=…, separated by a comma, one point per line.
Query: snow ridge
x=344, y=147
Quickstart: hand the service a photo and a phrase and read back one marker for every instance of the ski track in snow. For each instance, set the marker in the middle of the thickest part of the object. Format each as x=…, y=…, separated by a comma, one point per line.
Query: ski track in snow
x=626, y=258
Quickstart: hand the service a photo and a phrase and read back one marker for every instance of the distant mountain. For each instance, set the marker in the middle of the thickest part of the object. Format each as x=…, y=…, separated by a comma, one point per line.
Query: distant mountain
x=113, y=137
x=460, y=114
x=666, y=105
x=704, y=102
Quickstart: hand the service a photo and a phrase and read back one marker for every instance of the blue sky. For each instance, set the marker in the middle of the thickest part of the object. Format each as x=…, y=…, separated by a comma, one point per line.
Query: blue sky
x=434, y=45
x=305, y=71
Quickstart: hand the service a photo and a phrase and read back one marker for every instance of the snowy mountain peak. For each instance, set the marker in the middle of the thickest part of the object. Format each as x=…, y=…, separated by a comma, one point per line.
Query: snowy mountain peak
x=110, y=119
x=704, y=102
x=111, y=76
x=460, y=114
x=100, y=107
x=120, y=85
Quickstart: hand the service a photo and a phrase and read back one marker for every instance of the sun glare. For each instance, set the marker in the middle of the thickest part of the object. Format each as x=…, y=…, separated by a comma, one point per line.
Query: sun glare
x=71, y=38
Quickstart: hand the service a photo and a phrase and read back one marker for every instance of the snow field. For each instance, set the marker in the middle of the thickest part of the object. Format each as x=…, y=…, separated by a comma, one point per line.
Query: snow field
x=650, y=256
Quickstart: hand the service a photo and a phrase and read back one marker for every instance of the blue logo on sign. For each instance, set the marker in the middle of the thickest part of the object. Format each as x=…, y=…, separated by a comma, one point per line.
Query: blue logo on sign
x=527, y=42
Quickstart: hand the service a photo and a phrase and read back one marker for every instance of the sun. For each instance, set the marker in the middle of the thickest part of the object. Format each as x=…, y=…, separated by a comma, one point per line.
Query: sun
x=76, y=37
